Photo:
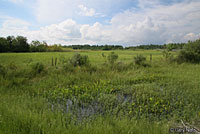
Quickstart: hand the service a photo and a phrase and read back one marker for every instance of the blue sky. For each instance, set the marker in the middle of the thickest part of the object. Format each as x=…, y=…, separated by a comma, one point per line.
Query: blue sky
x=125, y=22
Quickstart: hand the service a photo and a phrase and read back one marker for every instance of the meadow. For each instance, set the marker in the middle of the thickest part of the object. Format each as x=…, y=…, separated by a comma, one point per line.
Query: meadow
x=42, y=93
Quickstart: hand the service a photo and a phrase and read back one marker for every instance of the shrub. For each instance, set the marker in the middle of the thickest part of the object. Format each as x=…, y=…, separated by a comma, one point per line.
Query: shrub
x=168, y=56
x=79, y=60
x=190, y=53
x=139, y=59
x=112, y=58
x=188, y=56
x=193, y=46
x=37, y=67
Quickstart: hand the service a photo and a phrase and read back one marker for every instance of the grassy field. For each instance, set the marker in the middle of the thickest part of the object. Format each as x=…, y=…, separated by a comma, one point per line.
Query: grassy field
x=122, y=98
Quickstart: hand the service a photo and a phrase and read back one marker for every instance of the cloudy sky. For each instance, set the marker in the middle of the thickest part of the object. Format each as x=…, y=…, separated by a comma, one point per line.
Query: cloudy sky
x=124, y=22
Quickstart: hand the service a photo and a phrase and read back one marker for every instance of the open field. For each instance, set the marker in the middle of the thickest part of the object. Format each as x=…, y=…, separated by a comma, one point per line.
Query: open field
x=99, y=98
x=94, y=56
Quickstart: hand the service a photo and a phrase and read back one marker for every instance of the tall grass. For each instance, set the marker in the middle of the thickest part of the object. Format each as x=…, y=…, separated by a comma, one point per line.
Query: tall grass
x=38, y=98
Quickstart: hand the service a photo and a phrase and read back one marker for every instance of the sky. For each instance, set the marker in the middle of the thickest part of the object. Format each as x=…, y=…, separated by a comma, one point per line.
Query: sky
x=99, y=22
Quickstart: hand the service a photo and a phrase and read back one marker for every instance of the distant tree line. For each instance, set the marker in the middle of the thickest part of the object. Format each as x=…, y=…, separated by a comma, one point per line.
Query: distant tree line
x=12, y=44
x=147, y=47
x=96, y=47
x=20, y=44
x=174, y=46
x=170, y=46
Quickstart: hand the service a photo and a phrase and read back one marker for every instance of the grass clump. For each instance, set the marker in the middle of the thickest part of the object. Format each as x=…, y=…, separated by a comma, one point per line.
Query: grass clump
x=37, y=67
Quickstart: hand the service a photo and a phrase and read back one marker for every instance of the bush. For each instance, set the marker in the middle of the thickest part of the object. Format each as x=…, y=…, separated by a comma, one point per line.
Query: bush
x=188, y=56
x=168, y=56
x=37, y=67
x=139, y=59
x=190, y=53
x=79, y=60
x=193, y=46
x=112, y=58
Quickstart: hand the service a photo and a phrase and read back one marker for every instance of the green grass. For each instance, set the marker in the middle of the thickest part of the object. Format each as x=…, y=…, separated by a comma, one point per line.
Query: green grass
x=95, y=56
x=123, y=98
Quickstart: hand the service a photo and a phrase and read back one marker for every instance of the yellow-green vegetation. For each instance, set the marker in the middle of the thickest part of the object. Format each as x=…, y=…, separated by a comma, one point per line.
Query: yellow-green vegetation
x=97, y=92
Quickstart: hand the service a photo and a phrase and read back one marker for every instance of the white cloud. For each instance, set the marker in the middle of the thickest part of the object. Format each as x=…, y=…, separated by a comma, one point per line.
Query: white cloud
x=96, y=32
x=156, y=24
x=84, y=11
x=53, y=11
x=65, y=32
x=160, y=24
x=13, y=26
x=191, y=36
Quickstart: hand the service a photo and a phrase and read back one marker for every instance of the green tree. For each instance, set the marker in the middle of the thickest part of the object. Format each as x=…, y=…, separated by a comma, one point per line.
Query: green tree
x=10, y=40
x=4, y=47
x=37, y=46
x=20, y=44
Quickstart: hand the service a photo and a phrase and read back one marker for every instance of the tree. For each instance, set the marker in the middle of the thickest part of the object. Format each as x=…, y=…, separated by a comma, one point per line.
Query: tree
x=20, y=44
x=37, y=46
x=3, y=45
x=10, y=40
x=34, y=46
